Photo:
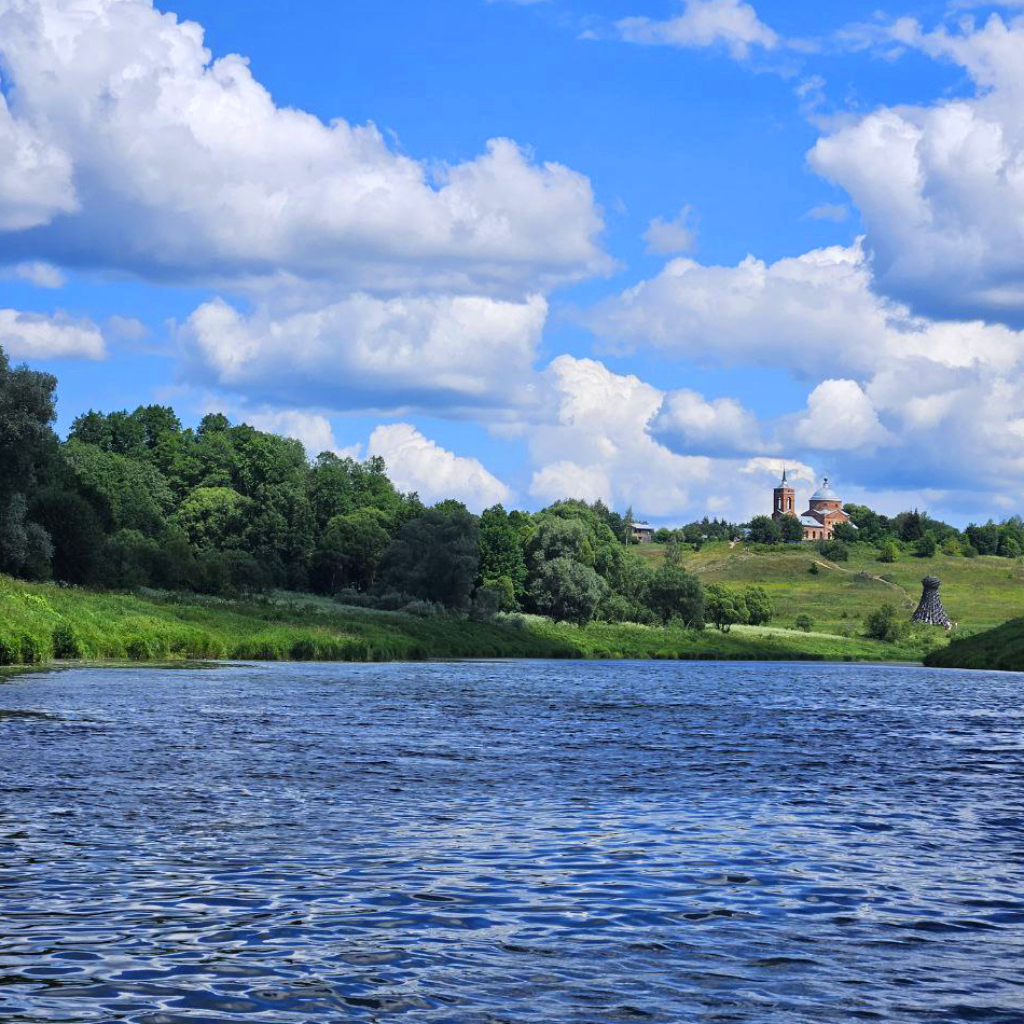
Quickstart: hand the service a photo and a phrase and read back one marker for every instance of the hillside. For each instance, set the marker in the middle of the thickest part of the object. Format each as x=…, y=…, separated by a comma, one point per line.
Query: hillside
x=999, y=649
x=978, y=593
x=41, y=622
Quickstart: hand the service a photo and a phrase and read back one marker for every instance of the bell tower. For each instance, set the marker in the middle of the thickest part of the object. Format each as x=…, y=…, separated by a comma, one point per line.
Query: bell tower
x=785, y=499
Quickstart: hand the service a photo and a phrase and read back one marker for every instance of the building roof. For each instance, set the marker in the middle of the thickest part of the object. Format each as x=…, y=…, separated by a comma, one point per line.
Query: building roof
x=784, y=483
x=807, y=520
x=824, y=493
x=643, y=528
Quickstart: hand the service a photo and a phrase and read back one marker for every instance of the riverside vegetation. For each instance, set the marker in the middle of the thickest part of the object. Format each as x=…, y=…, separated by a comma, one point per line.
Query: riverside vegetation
x=138, y=538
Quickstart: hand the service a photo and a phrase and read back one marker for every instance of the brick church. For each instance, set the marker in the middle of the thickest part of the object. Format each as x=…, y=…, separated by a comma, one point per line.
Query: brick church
x=821, y=517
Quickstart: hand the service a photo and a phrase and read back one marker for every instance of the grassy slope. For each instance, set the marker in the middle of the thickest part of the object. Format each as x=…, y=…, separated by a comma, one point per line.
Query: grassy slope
x=112, y=626
x=978, y=593
x=1001, y=648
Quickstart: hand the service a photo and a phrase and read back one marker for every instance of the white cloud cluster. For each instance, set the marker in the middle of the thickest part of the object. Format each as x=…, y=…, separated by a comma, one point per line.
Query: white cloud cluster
x=688, y=423
x=166, y=162
x=704, y=23
x=598, y=444
x=941, y=187
x=36, y=336
x=815, y=314
x=312, y=429
x=415, y=463
x=840, y=416
x=460, y=351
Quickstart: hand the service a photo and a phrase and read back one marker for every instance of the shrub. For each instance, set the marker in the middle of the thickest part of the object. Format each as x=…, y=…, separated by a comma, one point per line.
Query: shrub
x=834, y=550
x=887, y=624
x=815, y=569
x=66, y=644
x=31, y=650
x=804, y=623
x=889, y=552
x=760, y=609
x=423, y=609
x=9, y=651
x=926, y=546
x=970, y=551
x=139, y=649
x=485, y=605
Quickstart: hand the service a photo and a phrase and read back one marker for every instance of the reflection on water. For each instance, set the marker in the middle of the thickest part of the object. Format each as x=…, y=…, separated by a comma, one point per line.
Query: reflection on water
x=489, y=842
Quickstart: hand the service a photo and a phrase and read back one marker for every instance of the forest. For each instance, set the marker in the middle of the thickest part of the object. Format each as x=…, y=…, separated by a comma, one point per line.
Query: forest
x=136, y=500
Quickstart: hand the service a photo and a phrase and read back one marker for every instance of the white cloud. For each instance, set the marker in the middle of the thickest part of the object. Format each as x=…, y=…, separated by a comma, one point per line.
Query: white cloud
x=35, y=336
x=38, y=273
x=840, y=416
x=367, y=352
x=688, y=423
x=185, y=167
x=941, y=188
x=415, y=463
x=598, y=443
x=35, y=175
x=815, y=314
x=671, y=236
x=704, y=23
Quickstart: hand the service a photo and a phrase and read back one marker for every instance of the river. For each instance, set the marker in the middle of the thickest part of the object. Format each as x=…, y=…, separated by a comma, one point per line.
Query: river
x=512, y=842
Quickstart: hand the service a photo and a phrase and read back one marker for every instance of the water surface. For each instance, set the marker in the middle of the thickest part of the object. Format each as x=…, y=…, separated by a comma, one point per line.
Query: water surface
x=525, y=842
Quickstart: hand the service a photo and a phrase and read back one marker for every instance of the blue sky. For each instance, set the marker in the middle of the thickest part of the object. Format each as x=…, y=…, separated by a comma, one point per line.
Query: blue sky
x=717, y=238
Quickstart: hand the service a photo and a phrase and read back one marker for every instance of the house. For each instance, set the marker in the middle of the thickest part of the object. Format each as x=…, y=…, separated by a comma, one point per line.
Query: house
x=642, y=533
x=823, y=514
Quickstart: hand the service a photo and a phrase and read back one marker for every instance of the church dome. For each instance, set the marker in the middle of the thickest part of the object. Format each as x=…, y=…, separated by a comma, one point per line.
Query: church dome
x=824, y=493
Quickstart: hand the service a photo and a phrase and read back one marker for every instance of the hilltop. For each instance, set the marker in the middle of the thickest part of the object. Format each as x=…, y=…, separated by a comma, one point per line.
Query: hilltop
x=978, y=593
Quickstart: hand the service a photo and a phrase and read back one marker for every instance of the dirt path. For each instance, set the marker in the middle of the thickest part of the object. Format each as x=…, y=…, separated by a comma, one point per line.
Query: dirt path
x=870, y=576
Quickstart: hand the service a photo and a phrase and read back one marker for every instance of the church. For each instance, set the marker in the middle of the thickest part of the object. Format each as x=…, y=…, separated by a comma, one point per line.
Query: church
x=822, y=516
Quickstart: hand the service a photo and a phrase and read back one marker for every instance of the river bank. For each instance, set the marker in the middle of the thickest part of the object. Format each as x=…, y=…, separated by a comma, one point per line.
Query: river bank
x=45, y=623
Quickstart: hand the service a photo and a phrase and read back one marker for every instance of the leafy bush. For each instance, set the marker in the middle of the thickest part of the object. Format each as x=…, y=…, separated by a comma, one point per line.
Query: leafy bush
x=804, y=623
x=423, y=609
x=760, y=609
x=9, y=651
x=887, y=624
x=139, y=649
x=889, y=552
x=834, y=550
x=66, y=644
x=926, y=546
x=31, y=649
x=815, y=569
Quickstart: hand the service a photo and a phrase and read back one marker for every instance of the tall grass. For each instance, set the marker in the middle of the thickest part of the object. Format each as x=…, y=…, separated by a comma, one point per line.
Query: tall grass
x=42, y=623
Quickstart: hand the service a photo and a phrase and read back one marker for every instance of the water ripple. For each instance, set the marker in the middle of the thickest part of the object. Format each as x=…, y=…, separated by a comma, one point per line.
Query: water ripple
x=519, y=843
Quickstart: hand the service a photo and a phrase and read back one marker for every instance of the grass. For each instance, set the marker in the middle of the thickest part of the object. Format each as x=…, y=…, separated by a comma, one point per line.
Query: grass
x=999, y=649
x=978, y=593
x=40, y=623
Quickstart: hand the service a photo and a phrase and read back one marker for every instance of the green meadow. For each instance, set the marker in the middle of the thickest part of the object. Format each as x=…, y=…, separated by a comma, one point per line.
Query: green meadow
x=42, y=623
x=978, y=593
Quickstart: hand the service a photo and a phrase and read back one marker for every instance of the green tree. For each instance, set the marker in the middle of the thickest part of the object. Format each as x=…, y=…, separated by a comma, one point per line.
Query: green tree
x=502, y=553
x=350, y=551
x=674, y=593
x=926, y=546
x=213, y=518
x=567, y=590
x=764, y=530
x=760, y=609
x=792, y=530
x=435, y=557
x=804, y=623
x=723, y=607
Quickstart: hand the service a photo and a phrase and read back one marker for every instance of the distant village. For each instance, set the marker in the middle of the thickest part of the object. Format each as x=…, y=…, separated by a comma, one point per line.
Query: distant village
x=824, y=512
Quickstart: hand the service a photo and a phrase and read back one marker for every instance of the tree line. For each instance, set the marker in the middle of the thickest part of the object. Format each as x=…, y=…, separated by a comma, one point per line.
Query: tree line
x=135, y=499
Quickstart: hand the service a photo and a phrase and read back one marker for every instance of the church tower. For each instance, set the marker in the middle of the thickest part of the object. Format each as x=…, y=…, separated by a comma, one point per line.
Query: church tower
x=785, y=499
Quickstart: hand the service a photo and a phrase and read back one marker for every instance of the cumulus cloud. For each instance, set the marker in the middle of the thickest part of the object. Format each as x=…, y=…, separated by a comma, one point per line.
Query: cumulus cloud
x=704, y=23
x=598, y=443
x=460, y=351
x=671, y=236
x=415, y=463
x=941, y=188
x=840, y=416
x=815, y=314
x=688, y=423
x=35, y=175
x=36, y=336
x=128, y=146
